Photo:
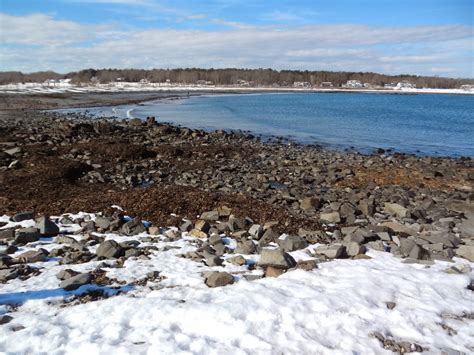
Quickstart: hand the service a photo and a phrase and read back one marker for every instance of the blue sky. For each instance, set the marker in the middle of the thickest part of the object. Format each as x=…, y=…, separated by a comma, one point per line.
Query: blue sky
x=432, y=37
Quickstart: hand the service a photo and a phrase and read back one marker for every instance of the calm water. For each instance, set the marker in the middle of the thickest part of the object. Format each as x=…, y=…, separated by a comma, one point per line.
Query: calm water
x=422, y=124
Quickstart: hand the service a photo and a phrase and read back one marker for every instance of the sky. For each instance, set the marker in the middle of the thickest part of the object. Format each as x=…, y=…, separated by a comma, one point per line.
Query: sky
x=423, y=37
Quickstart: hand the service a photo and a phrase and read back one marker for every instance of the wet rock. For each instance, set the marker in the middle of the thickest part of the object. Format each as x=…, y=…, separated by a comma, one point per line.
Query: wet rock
x=276, y=258
x=75, y=282
x=46, y=226
x=133, y=227
x=26, y=235
x=109, y=249
x=218, y=279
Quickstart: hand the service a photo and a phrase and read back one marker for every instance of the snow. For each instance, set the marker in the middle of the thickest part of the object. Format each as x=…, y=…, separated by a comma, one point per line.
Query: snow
x=330, y=310
x=41, y=88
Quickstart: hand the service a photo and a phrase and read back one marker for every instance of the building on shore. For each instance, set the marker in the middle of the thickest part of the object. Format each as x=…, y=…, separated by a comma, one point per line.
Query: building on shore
x=302, y=84
x=405, y=84
x=353, y=84
x=327, y=84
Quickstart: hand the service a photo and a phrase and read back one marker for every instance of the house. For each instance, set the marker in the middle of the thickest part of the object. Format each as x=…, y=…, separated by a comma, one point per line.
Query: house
x=467, y=87
x=144, y=81
x=301, y=84
x=390, y=86
x=204, y=82
x=353, y=84
x=327, y=84
x=405, y=84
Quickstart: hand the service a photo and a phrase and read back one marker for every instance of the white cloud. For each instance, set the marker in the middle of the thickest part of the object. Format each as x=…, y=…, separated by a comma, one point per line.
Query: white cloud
x=65, y=46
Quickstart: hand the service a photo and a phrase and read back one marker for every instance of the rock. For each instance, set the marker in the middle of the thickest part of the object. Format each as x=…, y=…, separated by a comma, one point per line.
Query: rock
x=32, y=256
x=213, y=260
x=390, y=305
x=367, y=207
x=7, y=234
x=198, y=234
x=271, y=271
x=332, y=251
x=331, y=217
x=218, y=279
x=75, y=282
x=102, y=222
x=376, y=245
x=307, y=265
x=309, y=203
x=214, y=239
x=237, y=260
x=66, y=274
x=109, y=249
x=46, y=226
x=406, y=247
x=8, y=274
x=292, y=243
x=4, y=319
x=276, y=258
x=186, y=226
x=26, y=235
x=13, y=151
x=466, y=252
x=154, y=230
x=224, y=211
x=256, y=231
x=210, y=216
x=353, y=249
x=202, y=226
x=245, y=247
x=269, y=236
x=399, y=228
x=395, y=209
x=23, y=216
x=133, y=227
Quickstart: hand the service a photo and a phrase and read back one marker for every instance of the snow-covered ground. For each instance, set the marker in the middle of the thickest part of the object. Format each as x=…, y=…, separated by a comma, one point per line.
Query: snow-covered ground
x=40, y=88
x=329, y=310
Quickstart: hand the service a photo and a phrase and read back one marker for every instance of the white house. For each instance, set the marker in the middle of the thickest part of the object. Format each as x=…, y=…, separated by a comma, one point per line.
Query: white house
x=353, y=84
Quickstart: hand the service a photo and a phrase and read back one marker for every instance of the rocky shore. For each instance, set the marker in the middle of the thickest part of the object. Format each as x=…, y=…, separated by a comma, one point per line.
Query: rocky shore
x=225, y=205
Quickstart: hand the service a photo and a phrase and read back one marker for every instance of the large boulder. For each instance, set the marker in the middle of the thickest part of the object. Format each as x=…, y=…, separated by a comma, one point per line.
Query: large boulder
x=276, y=258
x=23, y=216
x=133, y=227
x=75, y=282
x=110, y=249
x=27, y=235
x=46, y=226
x=218, y=279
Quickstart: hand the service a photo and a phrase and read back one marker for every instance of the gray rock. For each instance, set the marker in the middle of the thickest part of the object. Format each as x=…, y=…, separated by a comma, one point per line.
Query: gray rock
x=66, y=274
x=353, y=249
x=32, y=256
x=245, y=247
x=109, y=249
x=218, y=279
x=331, y=217
x=332, y=251
x=202, y=226
x=186, y=226
x=46, y=226
x=269, y=236
x=4, y=319
x=23, y=216
x=256, y=231
x=376, y=245
x=395, y=209
x=237, y=260
x=26, y=235
x=292, y=243
x=75, y=282
x=309, y=203
x=307, y=265
x=276, y=258
x=210, y=216
x=8, y=274
x=213, y=260
x=133, y=227
x=103, y=222
x=7, y=234
x=466, y=252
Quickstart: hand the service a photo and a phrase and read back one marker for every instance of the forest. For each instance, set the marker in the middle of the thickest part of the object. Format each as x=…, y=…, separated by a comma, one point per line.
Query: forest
x=230, y=76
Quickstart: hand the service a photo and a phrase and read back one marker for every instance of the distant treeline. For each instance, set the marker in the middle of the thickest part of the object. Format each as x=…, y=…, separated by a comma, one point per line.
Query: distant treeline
x=257, y=77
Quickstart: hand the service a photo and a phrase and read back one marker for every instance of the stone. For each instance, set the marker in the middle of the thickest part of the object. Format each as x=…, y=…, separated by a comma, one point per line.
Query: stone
x=390, y=305
x=133, y=227
x=400, y=228
x=269, y=236
x=256, y=231
x=394, y=209
x=271, y=271
x=210, y=216
x=23, y=216
x=26, y=235
x=245, y=247
x=237, y=260
x=202, y=226
x=32, y=256
x=66, y=274
x=8, y=274
x=102, y=222
x=309, y=203
x=276, y=258
x=109, y=249
x=213, y=260
x=198, y=234
x=218, y=279
x=367, y=207
x=307, y=265
x=331, y=217
x=353, y=249
x=75, y=282
x=7, y=234
x=154, y=230
x=376, y=245
x=224, y=211
x=186, y=226
x=4, y=319
x=292, y=243
x=46, y=226
x=406, y=246
x=332, y=251
x=13, y=151
x=466, y=252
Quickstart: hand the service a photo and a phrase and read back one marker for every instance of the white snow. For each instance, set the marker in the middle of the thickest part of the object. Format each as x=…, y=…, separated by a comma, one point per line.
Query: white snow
x=41, y=88
x=330, y=310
